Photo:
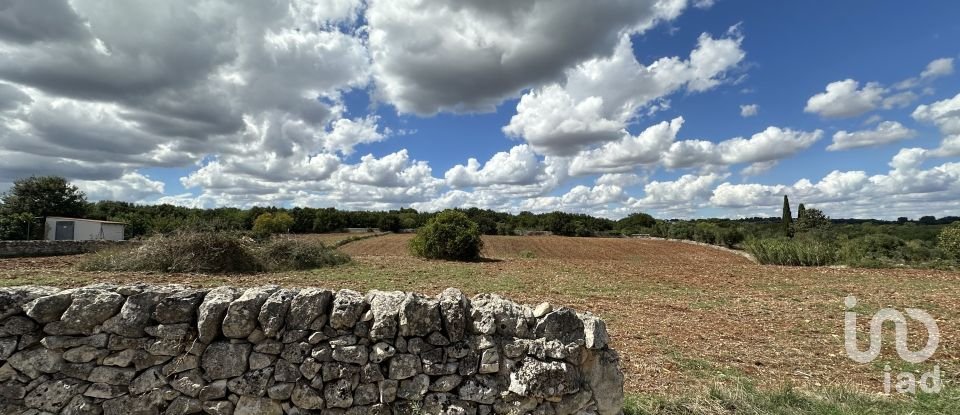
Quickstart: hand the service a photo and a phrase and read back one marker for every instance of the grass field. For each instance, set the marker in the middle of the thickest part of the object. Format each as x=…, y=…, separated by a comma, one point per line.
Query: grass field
x=686, y=319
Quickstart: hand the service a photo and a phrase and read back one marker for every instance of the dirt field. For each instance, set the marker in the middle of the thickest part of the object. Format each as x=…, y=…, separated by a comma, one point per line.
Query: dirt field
x=683, y=317
x=329, y=238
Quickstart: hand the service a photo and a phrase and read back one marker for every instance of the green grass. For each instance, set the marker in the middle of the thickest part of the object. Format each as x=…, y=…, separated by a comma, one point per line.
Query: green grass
x=745, y=399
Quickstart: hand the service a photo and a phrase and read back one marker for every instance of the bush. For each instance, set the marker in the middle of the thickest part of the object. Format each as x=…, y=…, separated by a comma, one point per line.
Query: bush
x=949, y=240
x=449, y=235
x=292, y=254
x=795, y=252
x=214, y=252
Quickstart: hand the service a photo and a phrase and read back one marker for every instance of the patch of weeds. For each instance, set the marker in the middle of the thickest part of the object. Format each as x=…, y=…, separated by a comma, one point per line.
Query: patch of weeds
x=527, y=254
x=744, y=398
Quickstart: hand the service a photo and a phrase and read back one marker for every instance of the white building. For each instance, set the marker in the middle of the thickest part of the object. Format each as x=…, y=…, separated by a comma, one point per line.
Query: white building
x=73, y=229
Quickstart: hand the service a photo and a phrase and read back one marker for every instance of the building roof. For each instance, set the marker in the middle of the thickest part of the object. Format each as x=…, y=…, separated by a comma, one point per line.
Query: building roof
x=87, y=220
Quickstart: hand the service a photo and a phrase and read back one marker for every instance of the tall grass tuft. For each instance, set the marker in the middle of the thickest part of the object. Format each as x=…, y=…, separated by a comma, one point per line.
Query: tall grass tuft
x=795, y=252
x=214, y=252
x=294, y=254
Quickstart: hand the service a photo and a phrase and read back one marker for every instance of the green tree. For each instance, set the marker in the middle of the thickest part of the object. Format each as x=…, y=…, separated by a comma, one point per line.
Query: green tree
x=44, y=196
x=801, y=211
x=449, y=235
x=272, y=223
x=949, y=240
x=787, y=217
x=812, y=219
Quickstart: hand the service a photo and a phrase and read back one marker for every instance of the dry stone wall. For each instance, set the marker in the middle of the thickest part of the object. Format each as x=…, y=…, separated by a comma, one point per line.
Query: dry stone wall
x=268, y=350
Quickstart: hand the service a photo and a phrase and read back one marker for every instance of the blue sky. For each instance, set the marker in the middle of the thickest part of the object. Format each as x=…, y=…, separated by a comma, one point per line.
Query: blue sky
x=603, y=108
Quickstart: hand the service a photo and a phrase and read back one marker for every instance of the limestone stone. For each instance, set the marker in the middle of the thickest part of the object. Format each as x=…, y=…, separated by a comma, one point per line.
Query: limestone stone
x=549, y=380
x=248, y=405
x=414, y=388
x=81, y=405
x=252, y=383
x=33, y=362
x=595, y=331
x=348, y=306
x=366, y=394
x=214, y=390
x=82, y=354
x=183, y=405
x=305, y=397
x=453, y=310
x=601, y=370
x=223, y=360
x=307, y=306
x=16, y=326
x=273, y=313
x=211, y=312
x=260, y=360
x=357, y=355
x=384, y=310
x=105, y=391
x=14, y=300
x=53, y=395
x=112, y=375
x=89, y=308
x=242, y=314
x=134, y=315
x=8, y=345
x=446, y=383
x=150, y=379
x=189, y=383
x=491, y=313
x=419, y=315
x=481, y=389
x=403, y=366
x=381, y=351
x=563, y=325
x=280, y=391
x=179, y=306
x=218, y=408
x=388, y=390
x=338, y=394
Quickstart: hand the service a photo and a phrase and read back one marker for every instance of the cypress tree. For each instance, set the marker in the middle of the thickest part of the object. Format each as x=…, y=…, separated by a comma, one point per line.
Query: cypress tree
x=801, y=212
x=787, y=216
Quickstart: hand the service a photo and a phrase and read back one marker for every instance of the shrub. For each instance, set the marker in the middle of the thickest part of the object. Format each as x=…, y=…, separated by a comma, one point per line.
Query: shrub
x=873, y=250
x=949, y=240
x=292, y=254
x=214, y=252
x=795, y=252
x=449, y=235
